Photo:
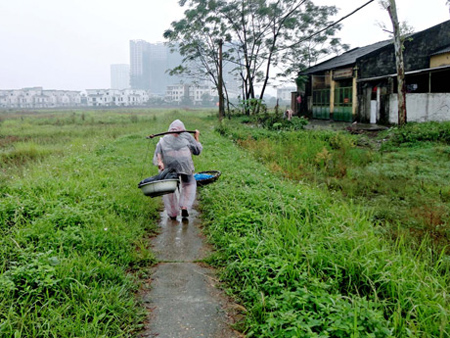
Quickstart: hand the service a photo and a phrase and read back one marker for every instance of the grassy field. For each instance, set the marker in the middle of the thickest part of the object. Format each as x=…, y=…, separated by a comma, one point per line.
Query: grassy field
x=311, y=239
x=308, y=260
x=73, y=223
x=402, y=175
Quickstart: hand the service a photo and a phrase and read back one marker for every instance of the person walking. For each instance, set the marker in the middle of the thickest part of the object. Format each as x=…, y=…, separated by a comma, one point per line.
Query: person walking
x=174, y=152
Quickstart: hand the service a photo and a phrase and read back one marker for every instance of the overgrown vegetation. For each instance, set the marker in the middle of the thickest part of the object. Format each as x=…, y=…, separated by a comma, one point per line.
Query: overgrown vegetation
x=73, y=224
x=335, y=235
x=268, y=120
x=402, y=176
x=307, y=261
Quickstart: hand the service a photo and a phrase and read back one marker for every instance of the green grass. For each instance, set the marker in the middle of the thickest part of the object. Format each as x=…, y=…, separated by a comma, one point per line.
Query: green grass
x=300, y=244
x=403, y=176
x=73, y=223
x=305, y=262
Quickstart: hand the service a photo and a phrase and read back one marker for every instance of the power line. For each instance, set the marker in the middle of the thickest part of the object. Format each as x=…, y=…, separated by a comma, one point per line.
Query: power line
x=329, y=26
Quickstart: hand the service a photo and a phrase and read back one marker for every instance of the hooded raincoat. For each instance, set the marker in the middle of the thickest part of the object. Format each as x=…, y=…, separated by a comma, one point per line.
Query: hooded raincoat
x=175, y=152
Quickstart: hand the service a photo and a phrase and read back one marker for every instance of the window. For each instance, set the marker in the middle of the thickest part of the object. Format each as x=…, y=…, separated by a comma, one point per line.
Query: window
x=439, y=82
x=417, y=83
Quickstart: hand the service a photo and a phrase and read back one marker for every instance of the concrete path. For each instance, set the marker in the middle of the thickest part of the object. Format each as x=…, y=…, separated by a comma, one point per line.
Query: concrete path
x=183, y=300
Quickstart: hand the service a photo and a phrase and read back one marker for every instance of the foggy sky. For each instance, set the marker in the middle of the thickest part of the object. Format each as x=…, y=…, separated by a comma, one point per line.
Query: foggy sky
x=70, y=44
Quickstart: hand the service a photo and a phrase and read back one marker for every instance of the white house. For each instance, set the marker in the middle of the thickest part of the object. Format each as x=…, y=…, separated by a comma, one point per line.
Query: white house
x=115, y=97
x=37, y=97
x=194, y=94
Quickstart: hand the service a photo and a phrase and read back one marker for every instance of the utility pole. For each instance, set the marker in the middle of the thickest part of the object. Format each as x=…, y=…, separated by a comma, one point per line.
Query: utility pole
x=220, y=84
x=398, y=46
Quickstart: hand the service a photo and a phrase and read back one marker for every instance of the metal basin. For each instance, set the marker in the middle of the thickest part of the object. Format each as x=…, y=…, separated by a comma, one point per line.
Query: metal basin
x=158, y=188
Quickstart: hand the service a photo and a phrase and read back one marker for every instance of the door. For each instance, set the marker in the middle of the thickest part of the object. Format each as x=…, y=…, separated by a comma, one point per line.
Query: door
x=343, y=104
x=321, y=104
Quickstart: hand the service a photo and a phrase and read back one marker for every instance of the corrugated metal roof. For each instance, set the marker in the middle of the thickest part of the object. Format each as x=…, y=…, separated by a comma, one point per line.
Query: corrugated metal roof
x=442, y=51
x=346, y=59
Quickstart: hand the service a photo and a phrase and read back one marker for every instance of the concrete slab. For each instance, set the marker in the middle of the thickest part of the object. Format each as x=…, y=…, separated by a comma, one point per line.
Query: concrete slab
x=183, y=300
x=185, y=303
x=179, y=240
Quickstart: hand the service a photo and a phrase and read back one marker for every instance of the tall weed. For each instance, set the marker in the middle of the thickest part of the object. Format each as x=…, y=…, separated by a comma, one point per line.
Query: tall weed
x=73, y=225
x=413, y=134
x=394, y=183
x=307, y=263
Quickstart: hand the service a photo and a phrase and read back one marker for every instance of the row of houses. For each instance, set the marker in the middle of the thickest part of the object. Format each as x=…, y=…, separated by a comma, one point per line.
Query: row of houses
x=361, y=84
x=116, y=97
x=197, y=95
x=37, y=97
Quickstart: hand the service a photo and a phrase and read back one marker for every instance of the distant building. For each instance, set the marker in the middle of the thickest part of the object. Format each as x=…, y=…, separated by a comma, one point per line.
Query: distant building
x=120, y=76
x=203, y=94
x=37, y=97
x=175, y=93
x=139, y=64
x=116, y=97
x=284, y=94
x=161, y=60
x=149, y=65
x=231, y=78
x=361, y=84
x=197, y=95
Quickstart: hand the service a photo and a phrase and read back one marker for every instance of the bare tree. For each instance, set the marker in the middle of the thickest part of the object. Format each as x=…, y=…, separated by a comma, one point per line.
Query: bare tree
x=391, y=7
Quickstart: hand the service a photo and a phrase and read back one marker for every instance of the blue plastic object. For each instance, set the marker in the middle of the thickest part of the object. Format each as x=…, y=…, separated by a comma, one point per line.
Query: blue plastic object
x=199, y=177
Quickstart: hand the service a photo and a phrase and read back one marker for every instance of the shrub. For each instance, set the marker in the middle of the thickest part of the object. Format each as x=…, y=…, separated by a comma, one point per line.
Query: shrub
x=413, y=133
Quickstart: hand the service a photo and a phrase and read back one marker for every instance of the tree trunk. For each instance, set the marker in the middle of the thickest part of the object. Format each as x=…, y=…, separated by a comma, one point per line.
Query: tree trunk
x=220, y=84
x=227, y=99
x=401, y=85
